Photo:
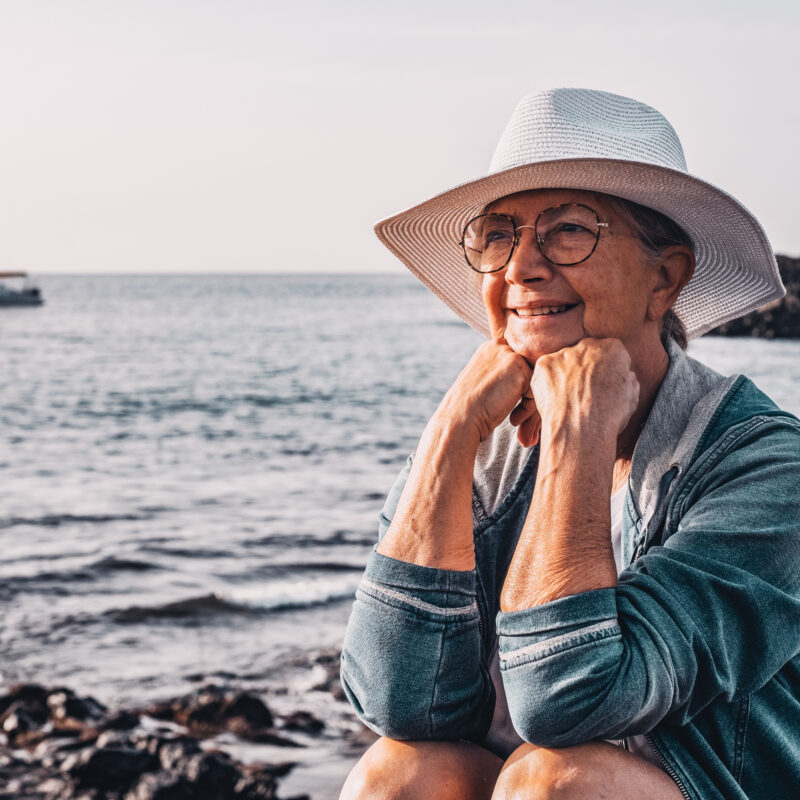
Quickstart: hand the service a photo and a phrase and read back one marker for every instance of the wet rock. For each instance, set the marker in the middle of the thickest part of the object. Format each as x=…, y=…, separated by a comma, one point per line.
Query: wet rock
x=31, y=694
x=303, y=722
x=213, y=710
x=330, y=661
x=78, y=750
x=18, y=720
x=122, y=721
x=66, y=707
x=175, y=751
x=213, y=773
x=162, y=786
x=109, y=769
x=259, y=785
x=262, y=736
x=249, y=708
x=112, y=739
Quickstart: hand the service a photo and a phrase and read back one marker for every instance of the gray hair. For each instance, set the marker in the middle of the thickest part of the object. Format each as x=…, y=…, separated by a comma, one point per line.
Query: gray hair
x=656, y=233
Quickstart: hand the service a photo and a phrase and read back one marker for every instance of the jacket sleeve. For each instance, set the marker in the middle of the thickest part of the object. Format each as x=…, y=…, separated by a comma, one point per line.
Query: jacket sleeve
x=713, y=613
x=411, y=660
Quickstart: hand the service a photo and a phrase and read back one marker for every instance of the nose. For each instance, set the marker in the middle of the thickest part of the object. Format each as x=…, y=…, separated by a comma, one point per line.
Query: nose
x=527, y=263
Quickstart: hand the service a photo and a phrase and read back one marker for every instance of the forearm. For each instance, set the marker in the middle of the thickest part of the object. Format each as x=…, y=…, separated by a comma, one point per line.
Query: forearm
x=565, y=544
x=432, y=525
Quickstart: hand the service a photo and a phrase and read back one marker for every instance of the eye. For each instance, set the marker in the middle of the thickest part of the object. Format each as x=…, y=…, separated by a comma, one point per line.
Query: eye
x=494, y=236
x=570, y=227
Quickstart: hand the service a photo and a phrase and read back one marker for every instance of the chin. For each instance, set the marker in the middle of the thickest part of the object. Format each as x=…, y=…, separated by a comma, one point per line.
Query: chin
x=533, y=350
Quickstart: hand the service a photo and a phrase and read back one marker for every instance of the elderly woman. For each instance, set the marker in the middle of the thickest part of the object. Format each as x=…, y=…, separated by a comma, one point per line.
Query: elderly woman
x=587, y=581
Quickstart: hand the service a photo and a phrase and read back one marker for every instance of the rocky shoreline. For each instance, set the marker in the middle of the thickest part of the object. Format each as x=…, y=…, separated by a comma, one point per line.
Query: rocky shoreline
x=778, y=320
x=58, y=745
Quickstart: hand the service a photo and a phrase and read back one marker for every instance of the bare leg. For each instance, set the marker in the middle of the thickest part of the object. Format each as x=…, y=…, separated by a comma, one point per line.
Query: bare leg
x=591, y=771
x=392, y=770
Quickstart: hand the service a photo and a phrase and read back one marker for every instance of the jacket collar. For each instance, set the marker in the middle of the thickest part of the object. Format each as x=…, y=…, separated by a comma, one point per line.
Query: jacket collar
x=684, y=405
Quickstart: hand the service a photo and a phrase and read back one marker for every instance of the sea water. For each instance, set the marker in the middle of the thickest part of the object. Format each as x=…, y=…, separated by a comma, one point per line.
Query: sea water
x=192, y=467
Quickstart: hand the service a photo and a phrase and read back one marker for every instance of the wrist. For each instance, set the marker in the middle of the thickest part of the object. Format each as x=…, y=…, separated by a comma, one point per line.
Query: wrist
x=587, y=444
x=451, y=423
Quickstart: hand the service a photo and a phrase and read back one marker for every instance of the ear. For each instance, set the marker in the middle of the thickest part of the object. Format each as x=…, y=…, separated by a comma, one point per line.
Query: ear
x=673, y=271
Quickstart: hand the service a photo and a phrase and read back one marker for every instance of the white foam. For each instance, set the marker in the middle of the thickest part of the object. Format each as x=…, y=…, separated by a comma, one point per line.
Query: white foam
x=296, y=593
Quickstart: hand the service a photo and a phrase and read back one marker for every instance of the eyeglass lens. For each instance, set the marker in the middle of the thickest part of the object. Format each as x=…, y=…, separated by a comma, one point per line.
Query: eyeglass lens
x=565, y=235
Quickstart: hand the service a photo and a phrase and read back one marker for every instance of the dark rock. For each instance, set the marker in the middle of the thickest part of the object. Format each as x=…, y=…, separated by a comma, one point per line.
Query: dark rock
x=18, y=720
x=250, y=708
x=778, y=320
x=65, y=706
x=34, y=706
x=109, y=769
x=275, y=770
x=304, y=722
x=58, y=745
x=149, y=743
x=30, y=695
x=174, y=751
x=212, y=775
x=112, y=739
x=262, y=736
x=205, y=709
x=213, y=709
x=122, y=721
x=330, y=661
x=258, y=784
x=84, y=753
x=162, y=786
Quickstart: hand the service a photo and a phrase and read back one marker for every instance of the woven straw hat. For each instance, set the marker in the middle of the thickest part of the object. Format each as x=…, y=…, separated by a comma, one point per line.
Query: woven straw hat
x=596, y=141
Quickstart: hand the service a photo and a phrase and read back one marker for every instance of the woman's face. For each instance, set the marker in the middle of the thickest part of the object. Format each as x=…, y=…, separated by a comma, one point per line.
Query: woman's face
x=605, y=296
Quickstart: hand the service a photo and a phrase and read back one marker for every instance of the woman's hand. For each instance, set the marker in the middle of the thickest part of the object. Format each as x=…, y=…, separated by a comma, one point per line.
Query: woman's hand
x=586, y=395
x=495, y=382
x=587, y=392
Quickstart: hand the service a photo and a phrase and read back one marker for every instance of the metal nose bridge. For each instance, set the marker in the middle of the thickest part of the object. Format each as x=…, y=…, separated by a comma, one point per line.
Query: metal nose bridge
x=536, y=236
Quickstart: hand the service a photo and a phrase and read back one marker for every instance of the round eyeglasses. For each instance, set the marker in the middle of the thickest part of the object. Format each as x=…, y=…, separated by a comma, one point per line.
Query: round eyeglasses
x=566, y=235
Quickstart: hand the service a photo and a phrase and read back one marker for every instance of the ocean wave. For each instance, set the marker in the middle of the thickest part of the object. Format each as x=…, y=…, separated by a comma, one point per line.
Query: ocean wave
x=274, y=597
x=55, y=520
x=118, y=406
x=108, y=565
x=286, y=595
x=115, y=564
x=301, y=540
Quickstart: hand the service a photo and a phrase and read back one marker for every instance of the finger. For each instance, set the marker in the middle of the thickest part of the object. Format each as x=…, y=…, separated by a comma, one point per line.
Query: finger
x=524, y=410
x=528, y=431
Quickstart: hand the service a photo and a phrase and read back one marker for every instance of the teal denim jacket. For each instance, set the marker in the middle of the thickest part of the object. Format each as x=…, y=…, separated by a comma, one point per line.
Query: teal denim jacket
x=698, y=646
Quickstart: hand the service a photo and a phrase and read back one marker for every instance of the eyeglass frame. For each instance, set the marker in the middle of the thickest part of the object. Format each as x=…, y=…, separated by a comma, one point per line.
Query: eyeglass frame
x=537, y=237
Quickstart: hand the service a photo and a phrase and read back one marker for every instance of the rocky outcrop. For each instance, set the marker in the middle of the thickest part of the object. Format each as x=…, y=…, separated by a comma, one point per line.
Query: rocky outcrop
x=56, y=745
x=778, y=320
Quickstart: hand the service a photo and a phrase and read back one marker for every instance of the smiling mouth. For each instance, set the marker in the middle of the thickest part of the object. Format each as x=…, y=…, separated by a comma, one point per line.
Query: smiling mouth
x=543, y=311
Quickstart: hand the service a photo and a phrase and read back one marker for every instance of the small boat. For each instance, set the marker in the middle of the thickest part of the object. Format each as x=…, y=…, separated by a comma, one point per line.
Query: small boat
x=25, y=294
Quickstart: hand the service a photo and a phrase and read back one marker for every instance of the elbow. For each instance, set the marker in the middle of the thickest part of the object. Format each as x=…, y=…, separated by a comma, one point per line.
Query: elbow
x=562, y=710
x=398, y=704
x=380, y=708
x=543, y=731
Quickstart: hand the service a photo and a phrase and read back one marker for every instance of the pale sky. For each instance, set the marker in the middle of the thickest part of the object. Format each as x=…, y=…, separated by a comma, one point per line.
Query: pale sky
x=259, y=136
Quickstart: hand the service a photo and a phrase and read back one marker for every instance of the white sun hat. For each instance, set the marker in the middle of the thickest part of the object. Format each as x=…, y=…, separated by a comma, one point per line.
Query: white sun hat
x=596, y=141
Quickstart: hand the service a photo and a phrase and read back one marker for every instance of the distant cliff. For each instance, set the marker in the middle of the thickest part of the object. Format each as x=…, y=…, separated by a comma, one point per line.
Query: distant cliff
x=778, y=320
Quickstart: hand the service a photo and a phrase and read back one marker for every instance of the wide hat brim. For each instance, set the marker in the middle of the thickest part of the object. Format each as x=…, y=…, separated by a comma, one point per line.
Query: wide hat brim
x=735, y=270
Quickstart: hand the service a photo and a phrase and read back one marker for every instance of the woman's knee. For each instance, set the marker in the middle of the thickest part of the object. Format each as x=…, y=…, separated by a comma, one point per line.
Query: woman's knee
x=392, y=770
x=593, y=769
x=542, y=773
